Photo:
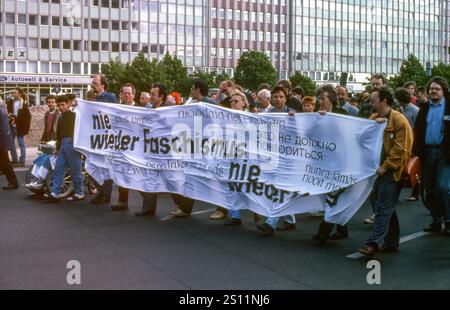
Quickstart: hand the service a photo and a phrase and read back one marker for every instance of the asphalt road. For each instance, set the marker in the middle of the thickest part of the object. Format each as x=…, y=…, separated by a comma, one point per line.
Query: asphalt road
x=119, y=251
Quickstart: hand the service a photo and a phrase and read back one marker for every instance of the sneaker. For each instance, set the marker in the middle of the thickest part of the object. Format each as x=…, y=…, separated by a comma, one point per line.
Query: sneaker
x=35, y=185
x=75, y=197
x=218, y=215
x=51, y=197
x=265, y=228
x=178, y=213
x=370, y=219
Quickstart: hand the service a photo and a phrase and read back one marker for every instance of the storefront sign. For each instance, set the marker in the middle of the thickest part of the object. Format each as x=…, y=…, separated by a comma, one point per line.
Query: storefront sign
x=44, y=79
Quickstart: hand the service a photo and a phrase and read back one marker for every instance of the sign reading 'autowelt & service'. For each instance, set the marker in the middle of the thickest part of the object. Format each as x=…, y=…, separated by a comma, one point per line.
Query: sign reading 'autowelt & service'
x=43, y=79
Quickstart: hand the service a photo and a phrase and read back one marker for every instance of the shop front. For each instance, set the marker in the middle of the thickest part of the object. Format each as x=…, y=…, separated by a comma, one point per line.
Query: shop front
x=38, y=86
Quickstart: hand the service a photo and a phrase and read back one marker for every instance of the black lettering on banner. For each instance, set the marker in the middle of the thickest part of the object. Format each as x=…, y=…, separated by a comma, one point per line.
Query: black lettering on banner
x=247, y=180
x=114, y=142
x=100, y=121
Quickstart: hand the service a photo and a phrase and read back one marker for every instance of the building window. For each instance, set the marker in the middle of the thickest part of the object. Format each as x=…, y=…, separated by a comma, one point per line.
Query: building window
x=21, y=66
x=95, y=68
x=44, y=20
x=10, y=18
x=56, y=43
x=32, y=19
x=45, y=67
x=105, y=24
x=94, y=23
x=44, y=44
x=115, y=25
x=125, y=26
x=115, y=46
x=66, y=67
x=77, y=45
x=10, y=66
x=10, y=42
x=32, y=67
x=125, y=47
x=76, y=68
x=135, y=47
x=66, y=44
x=105, y=46
x=213, y=12
x=66, y=22
x=33, y=42
x=21, y=42
x=94, y=46
x=55, y=20
x=56, y=68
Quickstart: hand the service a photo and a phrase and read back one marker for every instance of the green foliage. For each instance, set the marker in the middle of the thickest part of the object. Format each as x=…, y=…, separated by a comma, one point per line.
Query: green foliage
x=254, y=68
x=308, y=85
x=441, y=69
x=174, y=74
x=410, y=70
x=213, y=78
x=142, y=73
x=115, y=71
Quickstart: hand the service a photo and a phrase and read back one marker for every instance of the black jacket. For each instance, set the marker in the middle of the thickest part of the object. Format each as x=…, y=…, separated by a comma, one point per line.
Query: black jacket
x=23, y=119
x=420, y=129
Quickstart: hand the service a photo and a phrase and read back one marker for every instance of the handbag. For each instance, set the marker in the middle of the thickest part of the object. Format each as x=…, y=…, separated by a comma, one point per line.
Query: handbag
x=411, y=172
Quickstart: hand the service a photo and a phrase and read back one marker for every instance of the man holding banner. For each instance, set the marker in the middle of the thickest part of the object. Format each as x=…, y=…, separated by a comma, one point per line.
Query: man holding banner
x=397, y=145
x=100, y=87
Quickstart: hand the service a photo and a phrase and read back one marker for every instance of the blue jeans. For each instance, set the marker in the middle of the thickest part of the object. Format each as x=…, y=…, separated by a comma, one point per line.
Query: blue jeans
x=235, y=214
x=67, y=158
x=22, y=146
x=23, y=149
x=436, y=177
x=273, y=221
x=12, y=148
x=384, y=197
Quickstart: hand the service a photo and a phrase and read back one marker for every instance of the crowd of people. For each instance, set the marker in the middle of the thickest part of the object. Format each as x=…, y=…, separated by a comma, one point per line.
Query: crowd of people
x=417, y=124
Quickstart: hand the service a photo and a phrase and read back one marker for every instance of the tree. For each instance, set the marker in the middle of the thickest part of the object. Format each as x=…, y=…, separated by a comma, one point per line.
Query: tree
x=213, y=79
x=115, y=71
x=441, y=69
x=174, y=74
x=308, y=85
x=410, y=70
x=209, y=78
x=142, y=73
x=254, y=68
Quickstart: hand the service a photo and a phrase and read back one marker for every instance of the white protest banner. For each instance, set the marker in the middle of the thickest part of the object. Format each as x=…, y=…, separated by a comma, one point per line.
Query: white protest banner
x=273, y=164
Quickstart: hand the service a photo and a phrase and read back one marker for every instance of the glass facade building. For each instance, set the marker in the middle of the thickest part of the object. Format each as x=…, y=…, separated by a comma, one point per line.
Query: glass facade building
x=72, y=38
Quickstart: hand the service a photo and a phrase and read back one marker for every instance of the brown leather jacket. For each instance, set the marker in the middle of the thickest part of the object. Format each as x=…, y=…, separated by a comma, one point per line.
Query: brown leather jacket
x=397, y=143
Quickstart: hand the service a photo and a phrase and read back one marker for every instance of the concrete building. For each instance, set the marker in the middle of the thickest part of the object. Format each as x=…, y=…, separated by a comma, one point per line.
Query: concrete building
x=51, y=45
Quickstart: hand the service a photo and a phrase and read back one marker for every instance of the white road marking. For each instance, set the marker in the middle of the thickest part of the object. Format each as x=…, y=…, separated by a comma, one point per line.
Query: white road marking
x=407, y=238
x=193, y=213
